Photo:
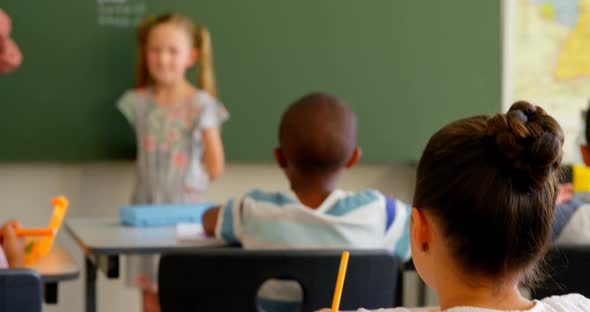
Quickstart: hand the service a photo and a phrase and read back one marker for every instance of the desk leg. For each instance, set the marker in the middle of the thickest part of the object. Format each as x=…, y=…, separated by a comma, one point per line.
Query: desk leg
x=421, y=293
x=50, y=293
x=399, y=290
x=109, y=265
x=90, y=285
x=113, y=267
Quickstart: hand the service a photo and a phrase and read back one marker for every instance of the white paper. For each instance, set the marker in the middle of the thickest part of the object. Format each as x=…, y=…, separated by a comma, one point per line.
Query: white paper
x=190, y=232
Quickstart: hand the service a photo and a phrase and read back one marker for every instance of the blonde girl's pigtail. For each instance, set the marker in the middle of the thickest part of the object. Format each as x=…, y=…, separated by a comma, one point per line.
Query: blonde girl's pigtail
x=206, y=71
x=142, y=76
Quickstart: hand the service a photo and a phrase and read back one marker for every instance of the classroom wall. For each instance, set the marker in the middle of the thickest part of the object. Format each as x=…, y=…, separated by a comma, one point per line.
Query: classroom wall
x=381, y=56
x=99, y=189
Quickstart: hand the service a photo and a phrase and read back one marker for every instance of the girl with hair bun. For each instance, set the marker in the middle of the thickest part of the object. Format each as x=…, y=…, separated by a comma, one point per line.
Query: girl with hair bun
x=483, y=205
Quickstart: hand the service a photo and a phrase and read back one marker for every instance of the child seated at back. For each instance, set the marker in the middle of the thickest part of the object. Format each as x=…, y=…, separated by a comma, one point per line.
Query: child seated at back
x=317, y=141
x=571, y=222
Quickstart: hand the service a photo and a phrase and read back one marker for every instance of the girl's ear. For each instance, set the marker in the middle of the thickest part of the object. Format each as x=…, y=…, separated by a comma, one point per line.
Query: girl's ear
x=420, y=231
x=193, y=57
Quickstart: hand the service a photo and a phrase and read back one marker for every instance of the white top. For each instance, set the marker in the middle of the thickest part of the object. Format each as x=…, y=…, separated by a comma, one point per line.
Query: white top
x=365, y=219
x=567, y=303
x=356, y=220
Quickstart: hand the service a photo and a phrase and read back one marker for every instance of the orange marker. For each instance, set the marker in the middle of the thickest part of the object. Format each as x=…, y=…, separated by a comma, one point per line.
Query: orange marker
x=42, y=238
x=35, y=231
x=340, y=281
x=60, y=207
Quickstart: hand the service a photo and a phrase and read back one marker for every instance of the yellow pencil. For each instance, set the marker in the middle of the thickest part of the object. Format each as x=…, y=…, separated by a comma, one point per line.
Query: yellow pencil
x=35, y=231
x=340, y=281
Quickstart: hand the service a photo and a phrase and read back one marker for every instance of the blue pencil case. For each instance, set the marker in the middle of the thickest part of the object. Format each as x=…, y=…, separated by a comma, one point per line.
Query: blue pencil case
x=163, y=214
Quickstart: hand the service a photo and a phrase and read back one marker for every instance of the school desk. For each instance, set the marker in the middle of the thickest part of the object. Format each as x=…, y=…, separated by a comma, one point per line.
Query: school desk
x=57, y=266
x=103, y=240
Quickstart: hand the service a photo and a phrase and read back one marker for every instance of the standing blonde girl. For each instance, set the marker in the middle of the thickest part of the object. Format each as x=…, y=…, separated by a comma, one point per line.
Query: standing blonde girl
x=177, y=125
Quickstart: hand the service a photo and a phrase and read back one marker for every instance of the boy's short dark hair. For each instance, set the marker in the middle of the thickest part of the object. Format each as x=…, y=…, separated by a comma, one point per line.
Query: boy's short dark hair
x=318, y=133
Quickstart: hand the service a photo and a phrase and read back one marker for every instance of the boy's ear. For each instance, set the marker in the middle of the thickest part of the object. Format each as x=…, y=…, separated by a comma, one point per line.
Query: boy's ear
x=280, y=157
x=354, y=158
x=585, y=154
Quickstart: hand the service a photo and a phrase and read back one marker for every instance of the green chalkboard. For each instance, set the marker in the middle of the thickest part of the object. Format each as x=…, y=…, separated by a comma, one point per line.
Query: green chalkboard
x=405, y=66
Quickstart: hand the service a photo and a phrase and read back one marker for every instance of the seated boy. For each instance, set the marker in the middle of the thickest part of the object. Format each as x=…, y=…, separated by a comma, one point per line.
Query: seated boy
x=12, y=250
x=317, y=141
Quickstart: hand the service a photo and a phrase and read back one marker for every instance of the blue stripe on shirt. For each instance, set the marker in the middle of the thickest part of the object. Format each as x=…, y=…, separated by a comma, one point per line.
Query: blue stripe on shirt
x=273, y=198
x=402, y=246
x=345, y=205
x=389, y=212
x=227, y=232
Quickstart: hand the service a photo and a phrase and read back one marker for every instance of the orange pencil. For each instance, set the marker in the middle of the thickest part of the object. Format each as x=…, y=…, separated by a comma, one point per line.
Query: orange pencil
x=35, y=231
x=340, y=281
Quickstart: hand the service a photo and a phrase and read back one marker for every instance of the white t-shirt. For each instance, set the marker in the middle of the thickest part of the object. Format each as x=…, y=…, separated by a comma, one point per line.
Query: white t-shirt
x=279, y=220
x=567, y=303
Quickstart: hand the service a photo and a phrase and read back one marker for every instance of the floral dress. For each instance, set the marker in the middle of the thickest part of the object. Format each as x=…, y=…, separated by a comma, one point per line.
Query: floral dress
x=169, y=153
